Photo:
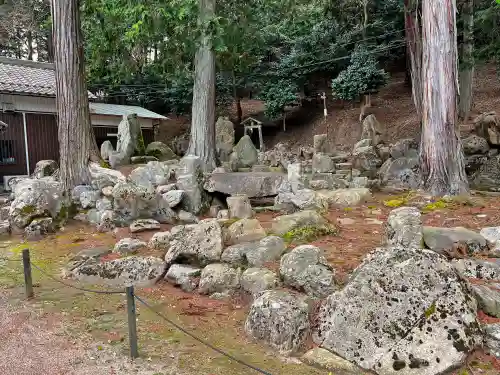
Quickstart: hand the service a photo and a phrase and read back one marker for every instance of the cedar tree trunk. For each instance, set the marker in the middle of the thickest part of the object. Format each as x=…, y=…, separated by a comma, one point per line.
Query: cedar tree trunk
x=467, y=60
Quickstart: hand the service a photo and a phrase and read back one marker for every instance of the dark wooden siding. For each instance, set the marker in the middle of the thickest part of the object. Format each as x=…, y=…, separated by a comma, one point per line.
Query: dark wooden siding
x=12, y=144
x=101, y=135
x=43, y=142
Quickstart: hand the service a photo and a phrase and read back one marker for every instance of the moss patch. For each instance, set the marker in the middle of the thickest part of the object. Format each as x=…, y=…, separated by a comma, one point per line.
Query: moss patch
x=394, y=203
x=104, y=164
x=433, y=206
x=309, y=233
x=28, y=210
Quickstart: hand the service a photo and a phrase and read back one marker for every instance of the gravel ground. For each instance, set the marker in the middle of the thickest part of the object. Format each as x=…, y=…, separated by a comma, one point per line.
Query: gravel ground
x=34, y=343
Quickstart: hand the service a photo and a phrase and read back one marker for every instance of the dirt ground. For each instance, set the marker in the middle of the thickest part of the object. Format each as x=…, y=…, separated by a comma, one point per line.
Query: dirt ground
x=66, y=331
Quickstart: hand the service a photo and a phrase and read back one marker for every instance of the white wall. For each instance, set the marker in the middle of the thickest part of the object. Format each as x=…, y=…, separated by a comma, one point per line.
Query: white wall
x=21, y=103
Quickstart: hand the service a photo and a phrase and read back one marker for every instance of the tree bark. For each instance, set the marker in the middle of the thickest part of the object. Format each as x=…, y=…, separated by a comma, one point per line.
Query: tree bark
x=414, y=51
x=29, y=42
x=202, y=142
x=441, y=154
x=77, y=143
x=467, y=60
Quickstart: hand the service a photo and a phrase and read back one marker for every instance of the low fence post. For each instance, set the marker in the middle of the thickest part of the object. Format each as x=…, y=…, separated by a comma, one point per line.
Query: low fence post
x=28, y=281
x=132, y=322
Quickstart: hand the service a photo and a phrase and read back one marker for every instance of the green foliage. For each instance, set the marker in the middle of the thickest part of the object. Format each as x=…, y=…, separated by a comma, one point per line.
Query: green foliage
x=277, y=96
x=361, y=77
x=437, y=205
x=431, y=310
x=394, y=203
x=309, y=233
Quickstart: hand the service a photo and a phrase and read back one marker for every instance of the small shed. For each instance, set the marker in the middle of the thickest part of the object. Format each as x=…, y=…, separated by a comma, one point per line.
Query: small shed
x=28, y=108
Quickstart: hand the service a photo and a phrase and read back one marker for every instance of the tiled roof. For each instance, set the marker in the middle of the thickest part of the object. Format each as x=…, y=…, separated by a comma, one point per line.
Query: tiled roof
x=28, y=77
x=123, y=110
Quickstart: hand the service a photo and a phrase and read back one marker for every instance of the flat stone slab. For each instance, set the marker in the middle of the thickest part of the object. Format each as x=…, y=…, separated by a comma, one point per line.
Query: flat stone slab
x=252, y=184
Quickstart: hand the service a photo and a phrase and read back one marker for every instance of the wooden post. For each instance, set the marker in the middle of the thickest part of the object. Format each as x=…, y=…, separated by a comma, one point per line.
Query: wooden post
x=28, y=281
x=132, y=323
x=261, y=140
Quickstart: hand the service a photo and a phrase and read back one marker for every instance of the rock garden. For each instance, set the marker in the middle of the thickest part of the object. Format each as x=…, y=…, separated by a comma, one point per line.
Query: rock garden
x=336, y=259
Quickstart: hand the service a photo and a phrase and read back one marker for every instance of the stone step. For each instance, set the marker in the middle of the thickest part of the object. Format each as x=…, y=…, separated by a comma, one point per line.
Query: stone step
x=343, y=166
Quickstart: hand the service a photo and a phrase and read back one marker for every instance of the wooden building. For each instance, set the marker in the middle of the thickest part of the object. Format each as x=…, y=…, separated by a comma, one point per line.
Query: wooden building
x=28, y=107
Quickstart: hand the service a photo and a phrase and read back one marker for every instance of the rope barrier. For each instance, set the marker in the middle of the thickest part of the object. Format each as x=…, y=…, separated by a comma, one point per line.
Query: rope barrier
x=220, y=351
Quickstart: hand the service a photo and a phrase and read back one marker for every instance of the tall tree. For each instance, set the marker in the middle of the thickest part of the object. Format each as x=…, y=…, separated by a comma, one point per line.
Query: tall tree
x=414, y=51
x=466, y=59
x=77, y=143
x=441, y=154
x=202, y=142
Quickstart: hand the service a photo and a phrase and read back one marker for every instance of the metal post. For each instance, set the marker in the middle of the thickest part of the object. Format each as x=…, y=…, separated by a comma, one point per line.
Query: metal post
x=28, y=281
x=132, y=326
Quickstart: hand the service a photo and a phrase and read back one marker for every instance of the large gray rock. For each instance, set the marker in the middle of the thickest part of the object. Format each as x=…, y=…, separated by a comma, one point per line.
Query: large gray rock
x=488, y=299
x=488, y=176
x=173, y=197
x=487, y=125
x=106, y=150
x=322, y=163
x=219, y=278
x=442, y=240
x=295, y=178
x=159, y=241
x=252, y=184
x=492, y=339
x=130, y=271
x=285, y=223
x=404, y=311
x=474, y=162
x=257, y=280
x=128, y=245
x=306, y=199
x=280, y=319
x=4, y=227
x=404, y=228
x=344, y=197
x=373, y=130
x=224, y=137
x=88, y=198
x=320, y=143
x=190, y=180
x=245, y=230
x=239, y=207
x=246, y=152
x=474, y=144
x=132, y=201
x=196, y=243
x=492, y=236
x=143, y=225
x=107, y=221
x=36, y=198
x=269, y=249
x=151, y=175
x=128, y=141
x=401, y=172
x=319, y=357
x=45, y=168
x=39, y=227
x=366, y=160
x=407, y=148
x=184, y=276
x=161, y=151
x=103, y=177
x=142, y=159
x=103, y=204
x=306, y=269
x=477, y=269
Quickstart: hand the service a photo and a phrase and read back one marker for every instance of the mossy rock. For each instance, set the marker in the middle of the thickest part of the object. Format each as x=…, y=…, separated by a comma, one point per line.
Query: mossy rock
x=309, y=233
x=160, y=151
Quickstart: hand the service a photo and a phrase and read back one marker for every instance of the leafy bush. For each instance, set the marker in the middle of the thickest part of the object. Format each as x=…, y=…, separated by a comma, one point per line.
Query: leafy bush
x=360, y=78
x=277, y=96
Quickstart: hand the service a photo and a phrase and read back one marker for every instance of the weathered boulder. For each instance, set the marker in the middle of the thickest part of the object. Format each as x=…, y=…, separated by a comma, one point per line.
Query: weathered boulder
x=246, y=152
x=322, y=358
x=88, y=198
x=245, y=230
x=219, y=278
x=280, y=319
x=268, y=249
x=286, y=223
x=320, y=143
x=306, y=269
x=366, y=160
x=442, y=240
x=344, y=197
x=306, y=199
x=184, y=276
x=107, y=221
x=322, y=163
x=366, y=142
x=128, y=245
x=477, y=269
x=252, y=184
x=492, y=339
x=224, y=137
x=197, y=244
x=103, y=177
x=187, y=217
x=130, y=271
x=106, y=149
x=39, y=227
x=160, y=151
x=257, y=280
x=45, y=168
x=36, y=198
x=473, y=163
x=372, y=129
x=488, y=176
x=4, y=227
x=295, y=178
x=173, y=197
x=132, y=201
x=143, y=225
x=488, y=299
x=474, y=144
x=492, y=237
x=407, y=148
x=103, y=204
x=404, y=311
x=487, y=125
x=239, y=207
x=142, y=159
x=129, y=141
x=236, y=254
x=190, y=180
x=77, y=192
x=404, y=228
x=162, y=189
x=159, y=241
x=151, y=175
x=401, y=172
